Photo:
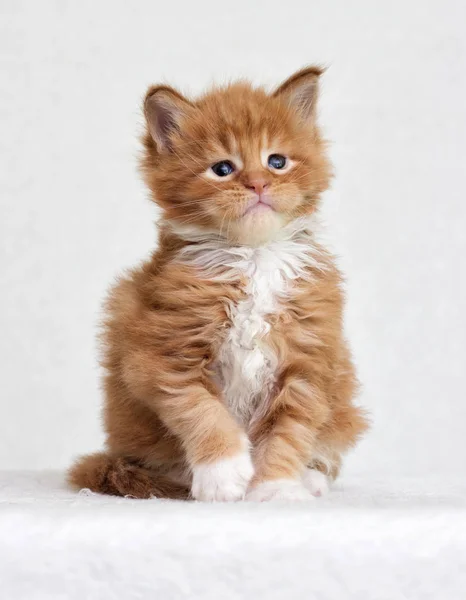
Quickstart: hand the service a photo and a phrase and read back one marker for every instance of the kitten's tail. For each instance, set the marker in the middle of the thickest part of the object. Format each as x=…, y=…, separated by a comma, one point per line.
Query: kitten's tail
x=119, y=476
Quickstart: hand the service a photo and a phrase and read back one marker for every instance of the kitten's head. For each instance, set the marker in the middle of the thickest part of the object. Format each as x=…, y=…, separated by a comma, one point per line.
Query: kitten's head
x=239, y=162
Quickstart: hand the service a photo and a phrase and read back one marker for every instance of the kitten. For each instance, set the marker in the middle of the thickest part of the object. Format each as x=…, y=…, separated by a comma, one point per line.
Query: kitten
x=227, y=372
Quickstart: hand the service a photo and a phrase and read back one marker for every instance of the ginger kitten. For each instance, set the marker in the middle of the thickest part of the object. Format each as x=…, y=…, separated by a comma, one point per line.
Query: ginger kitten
x=227, y=372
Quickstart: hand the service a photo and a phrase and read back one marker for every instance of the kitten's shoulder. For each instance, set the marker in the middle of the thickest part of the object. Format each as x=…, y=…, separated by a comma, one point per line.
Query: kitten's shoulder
x=136, y=288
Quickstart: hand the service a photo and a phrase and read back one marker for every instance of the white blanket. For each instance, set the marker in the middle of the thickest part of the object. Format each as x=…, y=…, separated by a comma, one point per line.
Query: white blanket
x=402, y=539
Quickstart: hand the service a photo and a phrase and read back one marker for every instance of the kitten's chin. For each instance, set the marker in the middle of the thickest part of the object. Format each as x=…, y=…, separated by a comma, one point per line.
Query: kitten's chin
x=257, y=227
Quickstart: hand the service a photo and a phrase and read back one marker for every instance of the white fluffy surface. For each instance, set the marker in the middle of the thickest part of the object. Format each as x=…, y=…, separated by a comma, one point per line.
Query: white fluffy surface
x=398, y=539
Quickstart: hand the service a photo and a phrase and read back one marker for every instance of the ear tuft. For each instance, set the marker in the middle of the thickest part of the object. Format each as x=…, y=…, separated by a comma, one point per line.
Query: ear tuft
x=301, y=90
x=164, y=109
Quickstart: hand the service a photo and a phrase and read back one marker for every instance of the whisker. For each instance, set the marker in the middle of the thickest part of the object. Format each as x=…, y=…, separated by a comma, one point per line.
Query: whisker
x=190, y=220
x=223, y=220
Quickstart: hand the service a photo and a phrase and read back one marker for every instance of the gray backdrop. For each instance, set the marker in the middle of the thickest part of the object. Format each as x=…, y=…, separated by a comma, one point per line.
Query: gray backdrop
x=74, y=213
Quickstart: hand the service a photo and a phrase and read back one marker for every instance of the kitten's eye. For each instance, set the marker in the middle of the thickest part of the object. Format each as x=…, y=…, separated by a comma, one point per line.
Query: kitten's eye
x=277, y=161
x=223, y=168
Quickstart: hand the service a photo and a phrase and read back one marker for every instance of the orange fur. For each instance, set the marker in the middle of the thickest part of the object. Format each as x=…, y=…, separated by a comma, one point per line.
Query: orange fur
x=165, y=413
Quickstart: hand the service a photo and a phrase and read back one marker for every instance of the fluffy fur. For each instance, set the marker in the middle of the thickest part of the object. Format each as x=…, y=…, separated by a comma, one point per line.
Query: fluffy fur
x=227, y=372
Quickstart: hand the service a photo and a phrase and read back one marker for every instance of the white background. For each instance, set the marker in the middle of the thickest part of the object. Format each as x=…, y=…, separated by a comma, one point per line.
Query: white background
x=74, y=213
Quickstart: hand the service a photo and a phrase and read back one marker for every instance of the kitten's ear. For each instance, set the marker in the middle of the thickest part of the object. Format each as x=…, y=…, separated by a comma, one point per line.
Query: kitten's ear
x=164, y=109
x=301, y=90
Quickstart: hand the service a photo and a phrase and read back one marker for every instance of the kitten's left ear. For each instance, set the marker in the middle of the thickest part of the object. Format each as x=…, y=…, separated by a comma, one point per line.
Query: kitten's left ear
x=164, y=109
x=301, y=90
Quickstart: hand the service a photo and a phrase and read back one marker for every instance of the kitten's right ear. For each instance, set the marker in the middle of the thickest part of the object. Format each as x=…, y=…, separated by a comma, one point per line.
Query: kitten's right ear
x=300, y=91
x=164, y=109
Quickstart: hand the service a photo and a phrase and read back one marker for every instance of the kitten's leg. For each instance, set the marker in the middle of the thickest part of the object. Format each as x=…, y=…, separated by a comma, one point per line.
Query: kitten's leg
x=285, y=441
x=316, y=482
x=216, y=449
x=322, y=471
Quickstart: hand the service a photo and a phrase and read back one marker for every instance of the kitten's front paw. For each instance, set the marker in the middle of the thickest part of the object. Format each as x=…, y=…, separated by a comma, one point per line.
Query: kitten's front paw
x=279, y=489
x=225, y=480
x=316, y=482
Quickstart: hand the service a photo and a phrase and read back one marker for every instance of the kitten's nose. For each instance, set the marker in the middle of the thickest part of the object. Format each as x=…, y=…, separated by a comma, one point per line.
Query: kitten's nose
x=257, y=184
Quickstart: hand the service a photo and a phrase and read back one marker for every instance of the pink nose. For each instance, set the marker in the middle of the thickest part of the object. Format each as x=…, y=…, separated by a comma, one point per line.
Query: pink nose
x=257, y=185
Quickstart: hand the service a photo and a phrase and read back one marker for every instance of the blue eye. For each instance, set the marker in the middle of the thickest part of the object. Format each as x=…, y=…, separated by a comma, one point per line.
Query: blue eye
x=223, y=168
x=277, y=161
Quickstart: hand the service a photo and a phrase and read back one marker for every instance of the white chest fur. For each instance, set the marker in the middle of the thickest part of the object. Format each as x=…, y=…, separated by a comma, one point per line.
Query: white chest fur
x=246, y=366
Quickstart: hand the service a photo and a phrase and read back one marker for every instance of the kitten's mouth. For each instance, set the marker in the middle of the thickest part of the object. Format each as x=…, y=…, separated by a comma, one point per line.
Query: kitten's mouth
x=258, y=205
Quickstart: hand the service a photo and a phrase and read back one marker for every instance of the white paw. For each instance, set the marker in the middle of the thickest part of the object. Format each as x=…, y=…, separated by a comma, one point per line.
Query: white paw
x=316, y=482
x=225, y=480
x=279, y=489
